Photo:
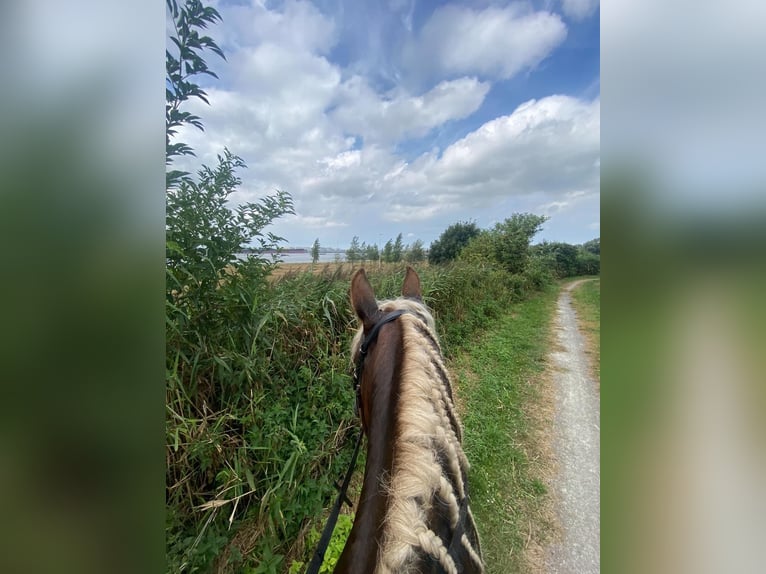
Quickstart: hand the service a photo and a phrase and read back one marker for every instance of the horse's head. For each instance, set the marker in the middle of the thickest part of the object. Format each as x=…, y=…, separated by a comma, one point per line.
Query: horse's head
x=413, y=513
x=376, y=347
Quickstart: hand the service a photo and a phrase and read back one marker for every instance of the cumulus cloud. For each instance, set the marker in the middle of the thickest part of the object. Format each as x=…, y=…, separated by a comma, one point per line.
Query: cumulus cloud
x=548, y=146
x=579, y=9
x=390, y=118
x=299, y=26
x=494, y=42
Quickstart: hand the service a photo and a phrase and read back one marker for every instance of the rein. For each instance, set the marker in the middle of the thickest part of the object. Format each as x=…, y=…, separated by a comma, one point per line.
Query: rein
x=324, y=541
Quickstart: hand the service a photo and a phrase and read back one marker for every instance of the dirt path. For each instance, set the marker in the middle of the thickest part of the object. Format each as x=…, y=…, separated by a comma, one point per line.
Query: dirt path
x=576, y=445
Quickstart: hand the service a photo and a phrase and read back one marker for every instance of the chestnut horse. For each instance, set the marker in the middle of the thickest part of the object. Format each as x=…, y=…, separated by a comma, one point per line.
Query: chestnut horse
x=413, y=513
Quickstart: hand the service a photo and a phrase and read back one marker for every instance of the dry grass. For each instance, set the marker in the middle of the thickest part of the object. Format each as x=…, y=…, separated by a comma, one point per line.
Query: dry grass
x=330, y=268
x=542, y=463
x=586, y=298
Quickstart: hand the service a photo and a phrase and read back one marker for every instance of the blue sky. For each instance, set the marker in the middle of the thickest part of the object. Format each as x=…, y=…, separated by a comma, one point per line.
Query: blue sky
x=401, y=116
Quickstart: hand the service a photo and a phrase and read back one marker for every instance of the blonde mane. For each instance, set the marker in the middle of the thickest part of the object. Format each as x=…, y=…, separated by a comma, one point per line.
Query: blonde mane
x=428, y=437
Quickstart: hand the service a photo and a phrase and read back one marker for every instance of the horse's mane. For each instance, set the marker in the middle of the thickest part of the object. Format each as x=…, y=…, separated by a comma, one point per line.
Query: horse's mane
x=429, y=473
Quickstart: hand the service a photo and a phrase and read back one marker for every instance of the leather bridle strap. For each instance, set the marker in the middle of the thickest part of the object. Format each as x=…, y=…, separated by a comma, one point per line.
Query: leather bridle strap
x=363, y=348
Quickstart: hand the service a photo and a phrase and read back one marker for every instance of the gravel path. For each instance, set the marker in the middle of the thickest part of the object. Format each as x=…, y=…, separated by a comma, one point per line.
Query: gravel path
x=576, y=445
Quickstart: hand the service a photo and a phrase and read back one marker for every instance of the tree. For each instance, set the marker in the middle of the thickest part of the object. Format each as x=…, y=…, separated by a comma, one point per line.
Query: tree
x=203, y=235
x=560, y=257
x=397, y=250
x=480, y=248
x=353, y=253
x=452, y=241
x=593, y=246
x=512, y=238
x=416, y=254
x=315, y=251
x=388, y=252
x=588, y=263
x=372, y=253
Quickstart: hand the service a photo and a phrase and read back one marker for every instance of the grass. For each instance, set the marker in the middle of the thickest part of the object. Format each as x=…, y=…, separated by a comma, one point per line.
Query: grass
x=587, y=302
x=499, y=380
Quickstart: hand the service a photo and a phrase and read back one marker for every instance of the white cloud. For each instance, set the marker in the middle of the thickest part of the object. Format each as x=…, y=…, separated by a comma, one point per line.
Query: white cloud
x=315, y=222
x=399, y=115
x=579, y=9
x=494, y=42
x=300, y=26
x=549, y=146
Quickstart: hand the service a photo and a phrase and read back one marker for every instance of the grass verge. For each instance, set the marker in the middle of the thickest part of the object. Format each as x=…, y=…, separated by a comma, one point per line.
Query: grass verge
x=586, y=298
x=500, y=387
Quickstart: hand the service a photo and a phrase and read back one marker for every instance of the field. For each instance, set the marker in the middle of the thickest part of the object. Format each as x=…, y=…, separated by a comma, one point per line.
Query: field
x=339, y=269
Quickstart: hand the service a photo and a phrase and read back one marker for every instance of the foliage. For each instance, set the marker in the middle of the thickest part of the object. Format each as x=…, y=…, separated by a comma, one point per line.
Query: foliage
x=217, y=316
x=452, y=241
x=180, y=68
x=566, y=260
x=511, y=239
x=315, y=251
x=251, y=436
x=397, y=249
x=507, y=244
x=588, y=263
x=354, y=252
x=372, y=253
x=534, y=266
x=334, y=548
x=415, y=253
x=203, y=235
x=593, y=246
x=562, y=258
x=387, y=255
x=480, y=249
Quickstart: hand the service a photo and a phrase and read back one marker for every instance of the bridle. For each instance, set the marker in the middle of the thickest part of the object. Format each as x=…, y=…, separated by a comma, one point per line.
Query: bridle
x=363, y=348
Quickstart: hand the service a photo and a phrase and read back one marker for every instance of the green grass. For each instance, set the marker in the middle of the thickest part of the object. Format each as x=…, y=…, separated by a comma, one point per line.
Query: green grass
x=587, y=301
x=498, y=380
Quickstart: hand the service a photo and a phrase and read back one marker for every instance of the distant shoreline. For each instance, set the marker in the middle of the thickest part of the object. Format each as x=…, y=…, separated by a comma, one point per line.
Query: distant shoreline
x=295, y=250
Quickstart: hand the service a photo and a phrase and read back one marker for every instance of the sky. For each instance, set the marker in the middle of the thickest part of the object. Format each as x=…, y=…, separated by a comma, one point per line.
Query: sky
x=403, y=116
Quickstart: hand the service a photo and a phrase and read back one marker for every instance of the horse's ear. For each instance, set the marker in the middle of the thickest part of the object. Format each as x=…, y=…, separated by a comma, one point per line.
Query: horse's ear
x=411, y=285
x=363, y=299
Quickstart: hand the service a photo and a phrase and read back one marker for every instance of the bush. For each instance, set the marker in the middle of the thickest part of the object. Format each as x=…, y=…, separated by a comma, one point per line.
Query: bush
x=451, y=242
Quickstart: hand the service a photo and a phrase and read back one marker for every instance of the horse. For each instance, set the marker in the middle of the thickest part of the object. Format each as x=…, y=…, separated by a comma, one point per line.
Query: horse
x=413, y=515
